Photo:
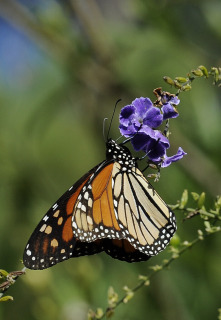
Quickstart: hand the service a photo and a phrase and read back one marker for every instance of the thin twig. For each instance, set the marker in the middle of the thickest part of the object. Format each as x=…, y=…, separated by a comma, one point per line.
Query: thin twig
x=164, y=265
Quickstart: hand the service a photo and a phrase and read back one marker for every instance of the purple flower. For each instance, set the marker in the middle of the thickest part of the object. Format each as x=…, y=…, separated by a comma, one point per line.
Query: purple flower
x=168, y=160
x=152, y=142
x=169, y=98
x=169, y=102
x=139, y=120
x=169, y=111
x=140, y=112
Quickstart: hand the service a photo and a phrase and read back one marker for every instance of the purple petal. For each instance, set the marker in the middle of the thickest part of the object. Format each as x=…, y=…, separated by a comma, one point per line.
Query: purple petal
x=152, y=142
x=157, y=150
x=143, y=138
x=169, y=111
x=174, y=100
x=169, y=98
x=127, y=114
x=153, y=118
x=168, y=160
x=128, y=131
x=159, y=136
x=142, y=105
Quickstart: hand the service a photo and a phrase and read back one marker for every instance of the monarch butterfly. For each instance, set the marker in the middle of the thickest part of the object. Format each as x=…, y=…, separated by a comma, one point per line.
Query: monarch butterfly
x=112, y=208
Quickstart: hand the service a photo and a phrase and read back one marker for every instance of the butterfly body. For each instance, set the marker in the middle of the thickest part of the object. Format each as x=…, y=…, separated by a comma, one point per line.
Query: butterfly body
x=112, y=208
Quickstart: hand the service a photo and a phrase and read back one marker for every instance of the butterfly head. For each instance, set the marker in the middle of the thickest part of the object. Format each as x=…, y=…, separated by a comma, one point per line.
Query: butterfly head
x=119, y=153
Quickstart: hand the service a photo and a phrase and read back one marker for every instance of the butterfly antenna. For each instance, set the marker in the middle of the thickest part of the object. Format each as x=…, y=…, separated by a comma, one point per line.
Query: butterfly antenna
x=112, y=117
x=105, y=119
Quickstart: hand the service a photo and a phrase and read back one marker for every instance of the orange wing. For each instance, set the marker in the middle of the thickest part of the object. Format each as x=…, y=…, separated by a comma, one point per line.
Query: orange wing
x=53, y=240
x=93, y=214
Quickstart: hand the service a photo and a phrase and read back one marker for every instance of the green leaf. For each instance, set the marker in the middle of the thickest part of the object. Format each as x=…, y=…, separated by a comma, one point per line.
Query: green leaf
x=187, y=87
x=129, y=294
x=175, y=241
x=215, y=74
x=184, y=199
x=168, y=80
x=181, y=79
x=201, y=200
x=142, y=278
x=204, y=70
x=99, y=313
x=4, y=273
x=6, y=298
x=197, y=72
x=195, y=196
x=200, y=234
x=219, y=315
x=112, y=297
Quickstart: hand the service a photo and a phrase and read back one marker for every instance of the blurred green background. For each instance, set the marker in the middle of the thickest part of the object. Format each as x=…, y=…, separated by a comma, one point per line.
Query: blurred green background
x=63, y=65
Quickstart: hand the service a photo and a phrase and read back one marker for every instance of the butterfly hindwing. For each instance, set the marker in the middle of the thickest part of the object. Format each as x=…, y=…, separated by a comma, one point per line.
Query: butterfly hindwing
x=123, y=250
x=142, y=214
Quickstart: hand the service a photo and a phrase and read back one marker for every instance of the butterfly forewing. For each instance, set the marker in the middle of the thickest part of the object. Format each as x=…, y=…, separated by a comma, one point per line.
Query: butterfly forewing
x=53, y=240
x=93, y=215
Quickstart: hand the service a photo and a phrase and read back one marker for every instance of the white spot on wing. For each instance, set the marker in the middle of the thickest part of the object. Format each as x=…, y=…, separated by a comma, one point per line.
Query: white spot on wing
x=55, y=206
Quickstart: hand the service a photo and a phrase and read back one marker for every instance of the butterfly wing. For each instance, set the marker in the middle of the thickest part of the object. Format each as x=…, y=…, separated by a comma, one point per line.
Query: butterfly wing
x=112, y=208
x=121, y=205
x=93, y=214
x=144, y=218
x=121, y=249
x=53, y=240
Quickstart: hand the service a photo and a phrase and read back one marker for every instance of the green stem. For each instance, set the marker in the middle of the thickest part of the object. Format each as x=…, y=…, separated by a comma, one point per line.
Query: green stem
x=161, y=267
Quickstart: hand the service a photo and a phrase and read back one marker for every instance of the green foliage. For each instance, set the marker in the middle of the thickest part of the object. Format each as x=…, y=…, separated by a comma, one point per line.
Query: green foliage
x=6, y=280
x=175, y=251
x=185, y=84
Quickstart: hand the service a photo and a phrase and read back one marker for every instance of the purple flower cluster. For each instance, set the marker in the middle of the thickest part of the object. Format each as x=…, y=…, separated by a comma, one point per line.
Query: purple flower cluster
x=139, y=120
